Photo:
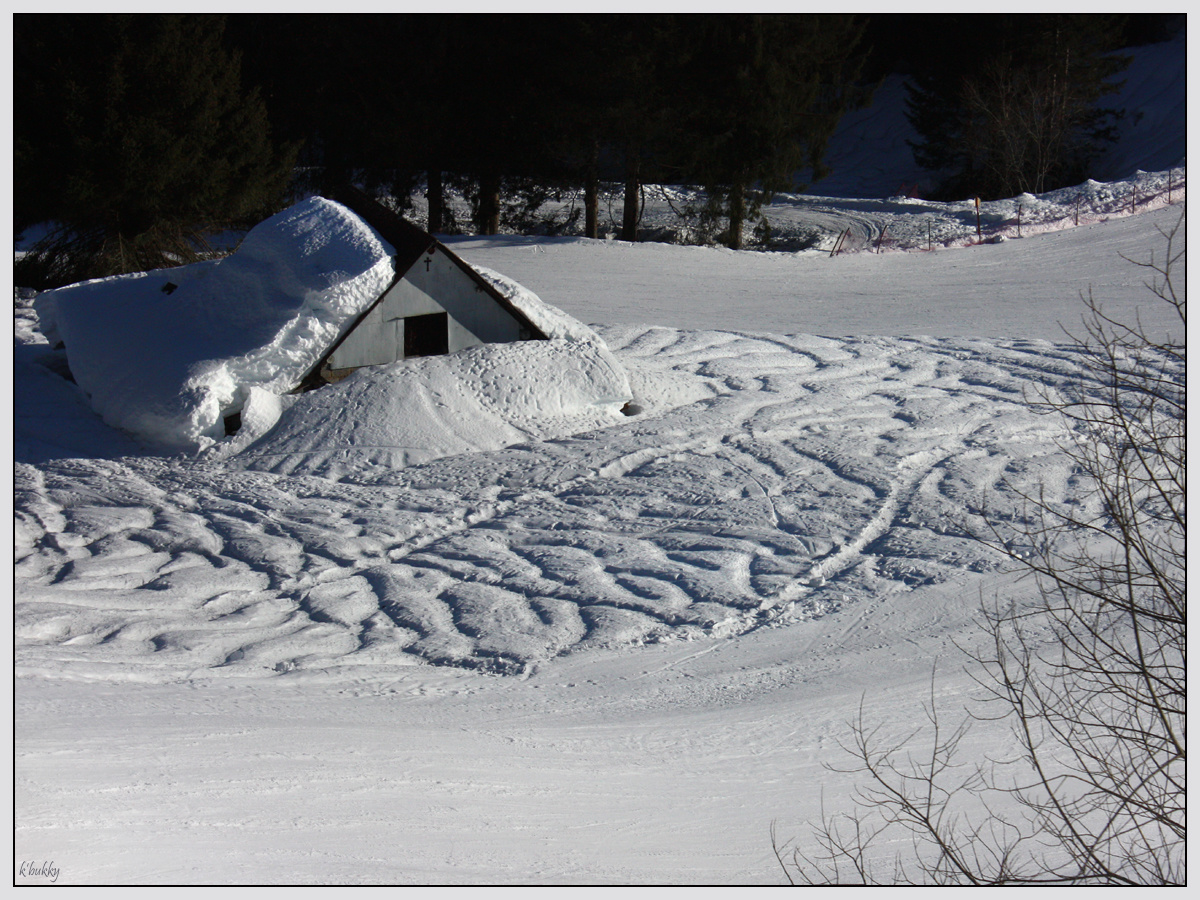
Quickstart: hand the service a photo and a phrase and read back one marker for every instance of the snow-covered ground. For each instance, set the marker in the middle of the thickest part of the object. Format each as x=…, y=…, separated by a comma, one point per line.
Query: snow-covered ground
x=650, y=635
x=611, y=656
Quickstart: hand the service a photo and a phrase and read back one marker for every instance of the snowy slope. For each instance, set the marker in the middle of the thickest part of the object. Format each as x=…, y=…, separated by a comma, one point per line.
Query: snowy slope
x=560, y=645
x=870, y=154
x=231, y=666
x=1153, y=134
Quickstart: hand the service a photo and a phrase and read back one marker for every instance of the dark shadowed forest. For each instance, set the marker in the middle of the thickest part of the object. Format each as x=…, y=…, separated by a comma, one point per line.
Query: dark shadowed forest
x=136, y=136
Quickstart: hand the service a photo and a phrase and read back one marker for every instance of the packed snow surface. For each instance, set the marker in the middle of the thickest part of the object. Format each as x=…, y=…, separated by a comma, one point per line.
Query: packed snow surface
x=892, y=274
x=545, y=654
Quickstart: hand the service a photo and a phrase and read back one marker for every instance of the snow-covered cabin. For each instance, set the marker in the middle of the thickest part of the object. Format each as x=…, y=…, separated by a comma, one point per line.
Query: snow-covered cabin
x=318, y=290
x=436, y=303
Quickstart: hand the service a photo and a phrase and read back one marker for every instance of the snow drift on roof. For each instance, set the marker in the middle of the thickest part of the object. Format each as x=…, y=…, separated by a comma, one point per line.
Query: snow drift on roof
x=167, y=363
x=553, y=322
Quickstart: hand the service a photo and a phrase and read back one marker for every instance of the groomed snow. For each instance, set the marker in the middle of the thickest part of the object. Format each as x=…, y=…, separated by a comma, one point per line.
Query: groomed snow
x=1009, y=286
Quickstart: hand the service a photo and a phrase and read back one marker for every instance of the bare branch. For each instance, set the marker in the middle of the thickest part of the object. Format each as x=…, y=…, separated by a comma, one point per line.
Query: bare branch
x=1092, y=676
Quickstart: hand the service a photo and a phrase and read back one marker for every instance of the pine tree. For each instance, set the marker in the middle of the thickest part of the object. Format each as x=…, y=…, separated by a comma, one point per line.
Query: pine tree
x=762, y=95
x=135, y=139
x=638, y=112
x=508, y=136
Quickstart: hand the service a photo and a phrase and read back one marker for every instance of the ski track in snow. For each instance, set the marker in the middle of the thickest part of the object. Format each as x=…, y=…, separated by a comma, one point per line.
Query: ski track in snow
x=817, y=472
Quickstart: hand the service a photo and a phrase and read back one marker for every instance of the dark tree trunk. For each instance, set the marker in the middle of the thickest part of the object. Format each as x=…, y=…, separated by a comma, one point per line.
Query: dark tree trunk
x=629, y=225
x=737, y=216
x=437, y=201
x=591, y=195
x=489, y=203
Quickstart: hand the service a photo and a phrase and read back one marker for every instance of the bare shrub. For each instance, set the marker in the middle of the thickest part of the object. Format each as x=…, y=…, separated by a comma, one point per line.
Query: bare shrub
x=1091, y=676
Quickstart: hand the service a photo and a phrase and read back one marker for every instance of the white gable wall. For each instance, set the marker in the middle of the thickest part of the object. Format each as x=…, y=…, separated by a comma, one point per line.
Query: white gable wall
x=474, y=316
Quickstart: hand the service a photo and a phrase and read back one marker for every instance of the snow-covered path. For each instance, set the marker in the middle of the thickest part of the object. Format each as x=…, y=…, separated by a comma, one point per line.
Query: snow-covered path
x=1021, y=288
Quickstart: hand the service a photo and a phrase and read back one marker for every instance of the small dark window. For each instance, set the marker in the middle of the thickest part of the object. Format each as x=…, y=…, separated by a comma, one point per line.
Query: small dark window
x=427, y=335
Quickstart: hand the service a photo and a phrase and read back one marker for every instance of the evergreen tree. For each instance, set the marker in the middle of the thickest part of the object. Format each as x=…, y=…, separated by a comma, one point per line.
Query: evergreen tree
x=761, y=96
x=504, y=133
x=134, y=137
x=1013, y=104
x=638, y=110
x=602, y=103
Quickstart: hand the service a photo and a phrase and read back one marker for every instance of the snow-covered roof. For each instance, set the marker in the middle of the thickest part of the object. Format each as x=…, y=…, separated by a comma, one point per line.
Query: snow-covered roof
x=163, y=354
x=166, y=355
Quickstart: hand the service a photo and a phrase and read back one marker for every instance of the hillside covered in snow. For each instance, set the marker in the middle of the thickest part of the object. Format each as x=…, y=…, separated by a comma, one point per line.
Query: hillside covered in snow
x=544, y=642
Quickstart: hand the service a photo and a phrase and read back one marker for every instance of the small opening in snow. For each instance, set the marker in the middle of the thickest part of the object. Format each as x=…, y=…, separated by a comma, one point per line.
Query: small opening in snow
x=233, y=422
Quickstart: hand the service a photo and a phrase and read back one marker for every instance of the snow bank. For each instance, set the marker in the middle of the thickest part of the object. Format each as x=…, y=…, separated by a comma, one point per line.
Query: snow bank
x=167, y=364
x=417, y=410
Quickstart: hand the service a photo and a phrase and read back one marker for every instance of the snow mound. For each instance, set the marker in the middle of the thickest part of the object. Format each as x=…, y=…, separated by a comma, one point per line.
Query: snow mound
x=167, y=354
x=417, y=410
